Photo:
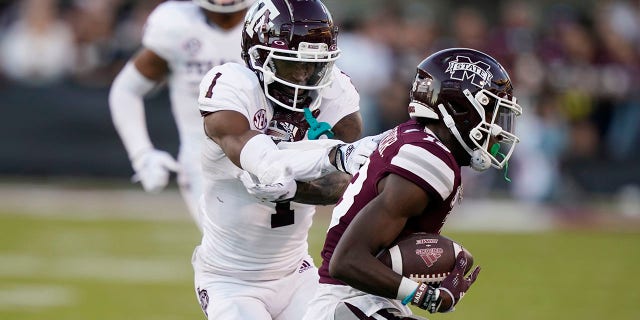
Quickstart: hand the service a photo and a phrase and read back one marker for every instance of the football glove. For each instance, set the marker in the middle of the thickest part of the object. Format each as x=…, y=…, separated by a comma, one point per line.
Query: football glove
x=282, y=189
x=153, y=168
x=351, y=156
x=454, y=286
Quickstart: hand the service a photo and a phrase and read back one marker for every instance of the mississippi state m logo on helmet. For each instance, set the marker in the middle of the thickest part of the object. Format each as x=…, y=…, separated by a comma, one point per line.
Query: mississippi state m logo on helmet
x=477, y=72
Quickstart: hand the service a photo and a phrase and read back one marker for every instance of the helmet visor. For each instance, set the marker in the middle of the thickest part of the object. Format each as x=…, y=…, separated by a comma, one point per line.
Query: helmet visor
x=502, y=129
x=311, y=74
x=505, y=117
x=308, y=68
x=495, y=136
x=295, y=74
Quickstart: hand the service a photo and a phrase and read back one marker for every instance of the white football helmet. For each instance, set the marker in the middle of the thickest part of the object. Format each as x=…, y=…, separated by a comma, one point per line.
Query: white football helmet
x=224, y=6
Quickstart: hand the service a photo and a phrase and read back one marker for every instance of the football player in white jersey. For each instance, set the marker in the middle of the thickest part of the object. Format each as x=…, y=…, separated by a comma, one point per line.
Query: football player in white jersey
x=268, y=121
x=463, y=114
x=182, y=41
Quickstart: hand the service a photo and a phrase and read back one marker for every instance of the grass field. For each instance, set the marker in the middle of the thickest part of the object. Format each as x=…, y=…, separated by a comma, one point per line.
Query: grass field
x=77, y=265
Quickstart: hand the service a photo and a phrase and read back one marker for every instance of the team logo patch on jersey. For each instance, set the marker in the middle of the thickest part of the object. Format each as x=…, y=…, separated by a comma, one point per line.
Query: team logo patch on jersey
x=192, y=46
x=430, y=255
x=476, y=72
x=260, y=119
x=203, y=297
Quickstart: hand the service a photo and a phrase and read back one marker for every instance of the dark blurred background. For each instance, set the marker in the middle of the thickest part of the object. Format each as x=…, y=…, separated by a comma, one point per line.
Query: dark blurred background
x=575, y=66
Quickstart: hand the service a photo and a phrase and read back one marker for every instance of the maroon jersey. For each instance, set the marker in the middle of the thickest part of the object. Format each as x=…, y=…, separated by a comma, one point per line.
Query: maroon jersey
x=414, y=153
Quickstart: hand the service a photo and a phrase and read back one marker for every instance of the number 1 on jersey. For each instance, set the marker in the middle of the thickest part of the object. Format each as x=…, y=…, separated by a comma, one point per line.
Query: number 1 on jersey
x=283, y=216
x=213, y=83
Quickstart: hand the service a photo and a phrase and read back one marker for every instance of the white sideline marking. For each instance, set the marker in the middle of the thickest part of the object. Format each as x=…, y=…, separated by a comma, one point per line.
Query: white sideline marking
x=29, y=296
x=100, y=268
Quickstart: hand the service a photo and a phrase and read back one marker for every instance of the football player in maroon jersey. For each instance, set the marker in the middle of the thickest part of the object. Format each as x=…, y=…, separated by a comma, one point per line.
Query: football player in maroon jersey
x=462, y=114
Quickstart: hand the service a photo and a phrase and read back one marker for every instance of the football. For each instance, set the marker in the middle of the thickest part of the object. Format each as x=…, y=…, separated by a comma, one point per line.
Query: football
x=423, y=257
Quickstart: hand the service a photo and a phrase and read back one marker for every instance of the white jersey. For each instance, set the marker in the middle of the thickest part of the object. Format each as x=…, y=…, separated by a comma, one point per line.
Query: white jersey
x=179, y=32
x=244, y=237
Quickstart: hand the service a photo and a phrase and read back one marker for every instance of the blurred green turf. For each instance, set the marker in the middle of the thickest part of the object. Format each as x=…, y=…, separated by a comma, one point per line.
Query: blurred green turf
x=58, y=268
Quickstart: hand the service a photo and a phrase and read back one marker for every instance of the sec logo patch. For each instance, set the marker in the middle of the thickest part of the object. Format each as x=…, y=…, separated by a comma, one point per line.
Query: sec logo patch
x=260, y=119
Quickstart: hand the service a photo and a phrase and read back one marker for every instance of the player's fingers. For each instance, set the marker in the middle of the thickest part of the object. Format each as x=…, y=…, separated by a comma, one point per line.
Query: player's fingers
x=359, y=160
x=473, y=276
x=171, y=164
x=379, y=137
x=367, y=148
x=461, y=263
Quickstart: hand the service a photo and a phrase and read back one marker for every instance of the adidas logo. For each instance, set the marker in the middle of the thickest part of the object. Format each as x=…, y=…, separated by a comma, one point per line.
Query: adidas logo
x=304, y=266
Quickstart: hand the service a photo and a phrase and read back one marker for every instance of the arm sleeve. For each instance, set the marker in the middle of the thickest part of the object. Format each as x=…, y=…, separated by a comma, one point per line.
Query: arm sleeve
x=127, y=109
x=261, y=157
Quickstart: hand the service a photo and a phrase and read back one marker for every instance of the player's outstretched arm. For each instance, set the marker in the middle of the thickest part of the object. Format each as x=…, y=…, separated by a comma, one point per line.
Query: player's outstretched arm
x=135, y=80
x=326, y=190
x=274, y=174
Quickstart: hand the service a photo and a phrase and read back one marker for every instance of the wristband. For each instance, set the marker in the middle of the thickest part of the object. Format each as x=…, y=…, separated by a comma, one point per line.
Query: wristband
x=340, y=158
x=406, y=290
x=427, y=298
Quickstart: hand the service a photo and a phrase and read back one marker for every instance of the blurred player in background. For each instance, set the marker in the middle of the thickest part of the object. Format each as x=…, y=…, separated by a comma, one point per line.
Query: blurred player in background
x=268, y=121
x=182, y=41
x=463, y=114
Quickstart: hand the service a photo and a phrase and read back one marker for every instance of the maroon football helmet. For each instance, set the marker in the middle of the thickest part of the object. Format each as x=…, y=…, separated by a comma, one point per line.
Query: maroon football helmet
x=472, y=94
x=291, y=46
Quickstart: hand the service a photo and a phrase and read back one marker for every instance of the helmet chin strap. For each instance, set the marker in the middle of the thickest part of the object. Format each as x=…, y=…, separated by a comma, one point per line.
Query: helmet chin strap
x=480, y=161
x=495, y=151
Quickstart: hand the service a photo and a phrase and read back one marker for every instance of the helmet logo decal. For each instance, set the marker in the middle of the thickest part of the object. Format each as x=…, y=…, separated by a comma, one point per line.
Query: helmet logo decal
x=477, y=72
x=262, y=20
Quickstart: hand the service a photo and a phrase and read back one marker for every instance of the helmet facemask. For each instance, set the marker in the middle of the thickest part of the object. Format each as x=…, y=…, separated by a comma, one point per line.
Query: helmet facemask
x=291, y=79
x=498, y=130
